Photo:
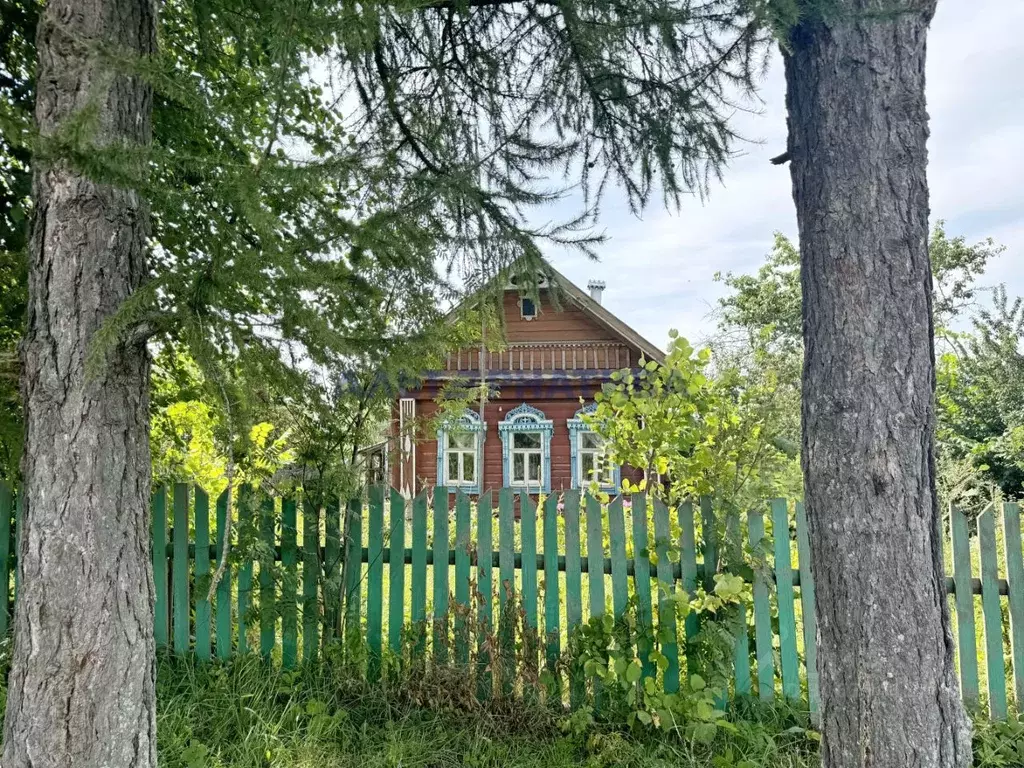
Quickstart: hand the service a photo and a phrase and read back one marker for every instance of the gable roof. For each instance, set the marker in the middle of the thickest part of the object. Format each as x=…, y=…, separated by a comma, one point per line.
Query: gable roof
x=601, y=315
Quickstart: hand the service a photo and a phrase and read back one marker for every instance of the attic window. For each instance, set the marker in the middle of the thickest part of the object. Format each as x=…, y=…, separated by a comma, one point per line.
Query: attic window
x=527, y=308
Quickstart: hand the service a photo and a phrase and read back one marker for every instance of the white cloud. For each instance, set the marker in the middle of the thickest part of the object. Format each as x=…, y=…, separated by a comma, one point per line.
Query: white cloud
x=660, y=269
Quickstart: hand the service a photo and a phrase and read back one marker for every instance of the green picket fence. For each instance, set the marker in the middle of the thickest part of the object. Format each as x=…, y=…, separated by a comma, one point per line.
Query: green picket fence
x=457, y=580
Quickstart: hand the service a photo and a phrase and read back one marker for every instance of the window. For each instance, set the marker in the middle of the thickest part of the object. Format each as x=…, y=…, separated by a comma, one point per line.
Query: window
x=590, y=462
x=593, y=464
x=527, y=458
x=527, y=308
x=461, y=451
x=526, y=449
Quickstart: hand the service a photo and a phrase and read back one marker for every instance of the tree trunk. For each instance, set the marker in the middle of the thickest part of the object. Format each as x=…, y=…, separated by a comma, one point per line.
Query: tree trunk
x=82, y=682
x=857, y=133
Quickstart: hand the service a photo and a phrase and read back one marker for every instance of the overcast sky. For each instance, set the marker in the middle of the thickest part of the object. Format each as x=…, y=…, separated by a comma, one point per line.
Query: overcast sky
x=660, y=270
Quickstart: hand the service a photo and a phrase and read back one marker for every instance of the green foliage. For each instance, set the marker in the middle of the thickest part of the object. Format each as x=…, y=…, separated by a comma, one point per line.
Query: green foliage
x=692, y=432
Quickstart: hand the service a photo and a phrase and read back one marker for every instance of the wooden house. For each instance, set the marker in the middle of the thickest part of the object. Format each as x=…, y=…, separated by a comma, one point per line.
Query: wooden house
x=558, y=352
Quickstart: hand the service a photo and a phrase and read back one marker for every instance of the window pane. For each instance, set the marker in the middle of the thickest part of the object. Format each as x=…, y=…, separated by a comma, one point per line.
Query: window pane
x=590, y=440
x=526, y=440
x=461, y=440
x=469, y=467
x=534, y=467
x=453, y=467
x=529, y=309
x=518, y=468
x=586, y=466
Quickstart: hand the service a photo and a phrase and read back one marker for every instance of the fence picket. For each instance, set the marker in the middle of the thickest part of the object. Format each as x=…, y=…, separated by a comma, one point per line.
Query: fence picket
x=463, y=574
x=419, y=572
x=506, y=588
x=202, y=574
x=440, y=574
x=159, y=527
x=485, y=593
x=310, y=579
x=224, y=585
x=787, y=609
x=807, y=609
x=992, y=614
x=573, y=583
x=396, y=574
x=331, y=629
x=244, y=573
x=375, y=583
x=741, y=655
x=180, y=569
x=528, y=544
x=1015, y=581
x=289, y=584
x=688, y=570
x=666, y=608
x=268, y=602
x=709, y=537
x=642, y=586
x=353, y=568
x=762, y=612
x=967, y=651
x=552, y=598
x=617, y=539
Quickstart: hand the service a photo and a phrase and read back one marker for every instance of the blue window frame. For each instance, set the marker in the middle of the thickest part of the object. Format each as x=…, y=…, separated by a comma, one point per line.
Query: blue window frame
x=586, y=452
x=526, y=449
x=460, y=453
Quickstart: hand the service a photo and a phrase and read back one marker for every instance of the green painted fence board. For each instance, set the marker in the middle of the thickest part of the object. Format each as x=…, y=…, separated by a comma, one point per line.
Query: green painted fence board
x=310, y=579
x=790, y=662
x=573, y=583
x=161, y=606
x=1015, y=583
x=224, y=585
x=617, y=539
x=741, y=655
x=331, y=630
x=6, y=513
x=179, y=575
x=992, y=614
x=440, y=574
x=807, y=608
x=506, y=587
x=268, y=590
x=202, y=574
x=688, y=569
x=353, y=568
x=419, y=572
x=463, y=575
x=667, y=637
x=375, y=584
x=289, y=584
x=762, y=612
x=967, y=650
x=244, y=574
x=396, y=574
x=642, y=586
x=709, y=536
x=595, y=555
x=528, y=542
x=552, y=597
x=484, y=593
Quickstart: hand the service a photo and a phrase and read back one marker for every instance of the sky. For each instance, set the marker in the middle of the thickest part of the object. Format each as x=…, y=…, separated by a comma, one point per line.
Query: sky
x=660, y=269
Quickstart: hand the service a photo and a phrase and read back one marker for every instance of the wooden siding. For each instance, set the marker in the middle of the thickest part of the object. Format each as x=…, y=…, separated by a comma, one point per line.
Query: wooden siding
x=557, y=339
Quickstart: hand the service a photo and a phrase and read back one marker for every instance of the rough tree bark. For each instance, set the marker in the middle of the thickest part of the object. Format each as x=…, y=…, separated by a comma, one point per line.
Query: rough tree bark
x=82, y=682
x=857, y=133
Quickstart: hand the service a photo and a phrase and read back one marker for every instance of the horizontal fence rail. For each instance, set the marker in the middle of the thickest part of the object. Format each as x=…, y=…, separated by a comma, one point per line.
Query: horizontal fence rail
x=396, y=581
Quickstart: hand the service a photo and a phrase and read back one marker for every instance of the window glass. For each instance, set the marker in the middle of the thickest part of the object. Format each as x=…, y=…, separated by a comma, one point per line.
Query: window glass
x=528, y=307
x=460, y=459
x=591, y=440
x=526, y=440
